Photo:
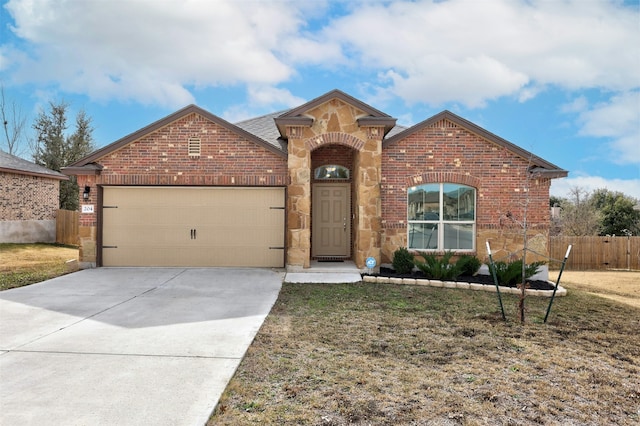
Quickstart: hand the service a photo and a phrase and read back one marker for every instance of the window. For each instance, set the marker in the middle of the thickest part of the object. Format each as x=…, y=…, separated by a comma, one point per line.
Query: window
x=441, y=216
x=331, y=171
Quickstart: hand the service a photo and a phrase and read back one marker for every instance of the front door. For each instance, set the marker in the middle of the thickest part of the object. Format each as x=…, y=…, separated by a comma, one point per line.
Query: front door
x=331, y=220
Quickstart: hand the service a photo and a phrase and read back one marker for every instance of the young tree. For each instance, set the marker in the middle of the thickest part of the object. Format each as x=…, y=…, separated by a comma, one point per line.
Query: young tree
x=55, y=150
x=13, y=122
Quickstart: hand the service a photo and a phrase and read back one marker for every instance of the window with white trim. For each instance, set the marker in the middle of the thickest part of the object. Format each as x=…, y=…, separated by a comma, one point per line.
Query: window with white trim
x=441, y=216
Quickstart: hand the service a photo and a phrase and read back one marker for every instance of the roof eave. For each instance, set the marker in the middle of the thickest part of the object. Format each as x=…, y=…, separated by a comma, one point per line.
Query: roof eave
x=387, y=122
x=36, y=174
x=283, y=122
x=91, y=169
x=549, y=173
x=334, y=94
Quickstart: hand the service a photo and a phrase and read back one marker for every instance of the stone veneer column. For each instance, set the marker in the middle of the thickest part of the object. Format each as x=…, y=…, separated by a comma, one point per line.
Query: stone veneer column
x=367, y=198
x=298, y=203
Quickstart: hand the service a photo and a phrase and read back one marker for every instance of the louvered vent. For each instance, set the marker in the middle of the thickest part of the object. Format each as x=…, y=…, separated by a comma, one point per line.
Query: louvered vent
x=194, y=147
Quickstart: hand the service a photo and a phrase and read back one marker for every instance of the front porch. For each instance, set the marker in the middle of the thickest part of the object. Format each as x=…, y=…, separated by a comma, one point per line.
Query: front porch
x=324, y=272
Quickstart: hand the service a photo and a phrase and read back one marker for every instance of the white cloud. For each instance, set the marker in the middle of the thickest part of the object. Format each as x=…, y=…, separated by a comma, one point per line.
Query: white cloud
x=473, y=51
x=561, y=187
x=149, y=51
x=427, y=51
x=268, y=96
x=619, y=121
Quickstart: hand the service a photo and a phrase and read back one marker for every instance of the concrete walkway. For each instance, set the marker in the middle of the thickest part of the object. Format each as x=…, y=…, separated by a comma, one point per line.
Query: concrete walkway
x=127, y=346
x=326, y=273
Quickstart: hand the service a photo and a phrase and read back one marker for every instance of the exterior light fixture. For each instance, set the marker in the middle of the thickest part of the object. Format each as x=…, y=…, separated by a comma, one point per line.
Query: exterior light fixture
x=87, y=191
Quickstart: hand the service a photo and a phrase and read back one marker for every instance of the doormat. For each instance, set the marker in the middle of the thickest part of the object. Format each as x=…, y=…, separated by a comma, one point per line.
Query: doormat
x=330, y=260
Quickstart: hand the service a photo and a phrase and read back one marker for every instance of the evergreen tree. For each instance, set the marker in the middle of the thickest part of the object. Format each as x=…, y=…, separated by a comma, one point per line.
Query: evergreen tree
x=55, y=150
x=617, y=212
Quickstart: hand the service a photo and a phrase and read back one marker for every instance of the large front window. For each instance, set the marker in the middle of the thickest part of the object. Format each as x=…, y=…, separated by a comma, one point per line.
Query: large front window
x=441, y=216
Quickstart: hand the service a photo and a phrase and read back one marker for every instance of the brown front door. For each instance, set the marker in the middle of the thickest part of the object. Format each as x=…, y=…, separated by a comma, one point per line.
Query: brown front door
x=331, y=220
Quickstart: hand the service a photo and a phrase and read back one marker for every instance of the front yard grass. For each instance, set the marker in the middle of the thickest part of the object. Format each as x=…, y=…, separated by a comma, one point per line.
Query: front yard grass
x=386, y=354
x=24, y=264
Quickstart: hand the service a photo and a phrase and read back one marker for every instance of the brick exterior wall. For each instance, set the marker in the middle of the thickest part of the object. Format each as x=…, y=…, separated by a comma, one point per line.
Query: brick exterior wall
x=441, y=152
x=445, y=152
x=161, y=158
x=25, y=197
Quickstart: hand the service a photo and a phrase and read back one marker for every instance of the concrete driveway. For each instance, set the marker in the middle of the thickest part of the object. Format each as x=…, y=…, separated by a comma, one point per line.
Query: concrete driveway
x=127, y=346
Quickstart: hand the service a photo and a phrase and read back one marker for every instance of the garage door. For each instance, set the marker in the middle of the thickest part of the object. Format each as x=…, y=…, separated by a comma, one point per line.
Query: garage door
x=154, y=226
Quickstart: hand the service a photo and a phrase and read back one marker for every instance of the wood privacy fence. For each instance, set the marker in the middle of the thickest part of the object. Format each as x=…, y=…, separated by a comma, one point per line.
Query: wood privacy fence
x=592, y=253
x=67, y=224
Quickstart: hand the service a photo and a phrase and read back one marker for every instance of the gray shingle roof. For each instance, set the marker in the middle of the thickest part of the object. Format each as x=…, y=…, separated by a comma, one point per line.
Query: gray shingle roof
x=265, y=128
x=12, y=164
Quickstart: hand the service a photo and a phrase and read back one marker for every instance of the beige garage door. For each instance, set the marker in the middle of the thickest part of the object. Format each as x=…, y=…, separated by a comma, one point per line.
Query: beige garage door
x=154, y=226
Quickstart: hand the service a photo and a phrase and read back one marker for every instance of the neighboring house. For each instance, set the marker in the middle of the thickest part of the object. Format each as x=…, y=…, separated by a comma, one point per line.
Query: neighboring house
x=29, y=201
x=331, y=179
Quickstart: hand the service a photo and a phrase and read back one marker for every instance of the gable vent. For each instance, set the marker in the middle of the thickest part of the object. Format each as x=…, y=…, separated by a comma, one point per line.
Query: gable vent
x=194, y=147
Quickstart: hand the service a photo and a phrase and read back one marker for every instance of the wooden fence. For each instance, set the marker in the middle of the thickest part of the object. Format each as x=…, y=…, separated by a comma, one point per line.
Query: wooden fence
x=593, y=253
x=67, y=224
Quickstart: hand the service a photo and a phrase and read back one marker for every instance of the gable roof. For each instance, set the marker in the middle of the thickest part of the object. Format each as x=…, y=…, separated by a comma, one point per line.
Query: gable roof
x=190, y=109
x=296, y=115
x=265, y=128
x=538, y=165
x=267, y=131
x=12, y=164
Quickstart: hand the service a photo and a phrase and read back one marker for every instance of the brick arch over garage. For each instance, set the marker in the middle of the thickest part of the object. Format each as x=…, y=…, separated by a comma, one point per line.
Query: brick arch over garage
x=337, y=138
x=449, y=177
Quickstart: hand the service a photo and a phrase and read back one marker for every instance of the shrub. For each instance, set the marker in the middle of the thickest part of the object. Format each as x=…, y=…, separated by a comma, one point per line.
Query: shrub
x=402, y=261
x=470, y=264
x=439, y=268
x=510, y=274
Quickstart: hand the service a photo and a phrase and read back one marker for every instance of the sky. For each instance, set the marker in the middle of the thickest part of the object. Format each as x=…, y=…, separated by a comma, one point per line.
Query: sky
x=559, y=78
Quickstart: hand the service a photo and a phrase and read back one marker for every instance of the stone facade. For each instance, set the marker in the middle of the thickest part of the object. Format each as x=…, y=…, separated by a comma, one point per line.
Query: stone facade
x=338, y=130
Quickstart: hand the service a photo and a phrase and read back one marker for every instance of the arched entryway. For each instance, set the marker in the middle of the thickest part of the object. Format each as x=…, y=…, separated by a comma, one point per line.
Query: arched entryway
x=331, y=206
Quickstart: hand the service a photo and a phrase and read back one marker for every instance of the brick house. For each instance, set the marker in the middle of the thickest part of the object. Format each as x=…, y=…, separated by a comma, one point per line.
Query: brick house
x=29, y=201
x=331, y=179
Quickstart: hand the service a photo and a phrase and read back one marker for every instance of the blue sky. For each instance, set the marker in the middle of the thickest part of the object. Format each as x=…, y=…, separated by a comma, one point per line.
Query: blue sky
x=560, y=78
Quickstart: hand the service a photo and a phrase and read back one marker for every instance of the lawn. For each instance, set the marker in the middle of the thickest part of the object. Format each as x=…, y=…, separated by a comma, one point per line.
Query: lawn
x=386, y=354
x=24, y=264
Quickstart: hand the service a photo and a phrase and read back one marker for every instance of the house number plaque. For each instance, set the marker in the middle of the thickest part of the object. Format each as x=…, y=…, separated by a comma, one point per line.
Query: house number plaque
x=87, y=208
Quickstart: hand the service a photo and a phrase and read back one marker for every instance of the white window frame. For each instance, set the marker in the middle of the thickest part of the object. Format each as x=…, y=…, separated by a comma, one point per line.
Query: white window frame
x=441, y=222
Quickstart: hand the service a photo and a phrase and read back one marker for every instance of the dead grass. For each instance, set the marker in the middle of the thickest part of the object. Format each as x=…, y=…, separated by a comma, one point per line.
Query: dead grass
x=408, y=355
x=24, y=264
x=621, y=286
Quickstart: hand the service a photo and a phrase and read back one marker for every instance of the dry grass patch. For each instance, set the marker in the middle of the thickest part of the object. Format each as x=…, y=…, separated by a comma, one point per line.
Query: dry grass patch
x=24, y=264
x=621, y=286
x=387, y=355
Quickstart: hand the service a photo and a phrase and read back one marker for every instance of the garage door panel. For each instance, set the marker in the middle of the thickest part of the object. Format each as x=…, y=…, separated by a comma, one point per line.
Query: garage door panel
x=232, y=226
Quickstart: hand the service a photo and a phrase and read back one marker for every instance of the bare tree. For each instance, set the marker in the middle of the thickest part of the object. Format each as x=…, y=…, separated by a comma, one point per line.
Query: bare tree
x=13, y=124
x=579, y=216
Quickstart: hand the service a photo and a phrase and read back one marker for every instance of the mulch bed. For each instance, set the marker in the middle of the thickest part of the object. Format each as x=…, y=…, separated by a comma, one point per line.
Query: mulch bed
x=476, y=279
